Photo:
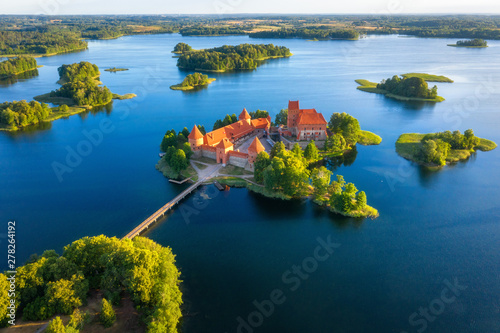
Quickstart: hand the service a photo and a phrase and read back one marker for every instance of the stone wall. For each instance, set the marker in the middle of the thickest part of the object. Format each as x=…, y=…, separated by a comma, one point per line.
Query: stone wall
x=209, y=154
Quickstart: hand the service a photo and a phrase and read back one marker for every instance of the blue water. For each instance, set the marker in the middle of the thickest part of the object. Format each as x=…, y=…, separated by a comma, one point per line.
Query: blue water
x=234, y=247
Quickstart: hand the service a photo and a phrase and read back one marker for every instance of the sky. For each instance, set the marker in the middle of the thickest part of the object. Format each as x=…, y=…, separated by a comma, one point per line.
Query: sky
x=62, y=7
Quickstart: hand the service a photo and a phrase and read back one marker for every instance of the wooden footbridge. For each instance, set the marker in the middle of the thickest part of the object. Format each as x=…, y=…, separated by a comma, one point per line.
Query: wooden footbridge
x=163, y=210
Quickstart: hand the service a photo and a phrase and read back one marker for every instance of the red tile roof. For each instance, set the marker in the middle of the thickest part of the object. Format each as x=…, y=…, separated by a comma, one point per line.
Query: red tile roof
x=225, y=143
x=232, y=132
x=310, y=117
x=237, y=154
x=256, y=146
x=293, y=105
x=244, y=115
x=195, y=133
x=261, y=123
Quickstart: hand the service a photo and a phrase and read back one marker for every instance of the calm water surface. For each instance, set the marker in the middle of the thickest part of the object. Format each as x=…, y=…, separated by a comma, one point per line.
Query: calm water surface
x=433, y=226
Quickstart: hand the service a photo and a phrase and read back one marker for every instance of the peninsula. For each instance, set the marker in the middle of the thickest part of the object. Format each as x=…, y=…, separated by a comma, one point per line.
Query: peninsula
x=229, y=58
x=410, y=88
x=439, y=149
x=114, y=70
x=286, y=168
x=193, y=81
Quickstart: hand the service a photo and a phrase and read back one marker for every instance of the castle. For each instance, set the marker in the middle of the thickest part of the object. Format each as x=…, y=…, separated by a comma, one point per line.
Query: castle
x=303, y=125
x=219, y=144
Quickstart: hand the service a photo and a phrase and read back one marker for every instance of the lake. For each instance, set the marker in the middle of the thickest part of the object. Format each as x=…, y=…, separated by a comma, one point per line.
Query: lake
x=430, y=262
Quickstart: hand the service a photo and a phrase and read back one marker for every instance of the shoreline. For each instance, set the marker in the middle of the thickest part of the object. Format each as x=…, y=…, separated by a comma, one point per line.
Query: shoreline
x=371, y=87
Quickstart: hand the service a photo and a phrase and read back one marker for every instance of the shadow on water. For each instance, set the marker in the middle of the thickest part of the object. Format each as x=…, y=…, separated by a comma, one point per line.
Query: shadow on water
x=333, y=163
x=428, y=175
x=339, y=221
x=20, y=77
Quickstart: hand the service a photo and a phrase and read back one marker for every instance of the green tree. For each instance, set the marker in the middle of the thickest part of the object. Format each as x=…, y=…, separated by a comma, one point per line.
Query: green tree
x=169, y=139
x=345, y=125
x=311, y=152
x=320, y=179
x=261, y=163
x=360, y=200
x=56, y=326
x=186, y=147
x=182, y=47
x=281, y=118
x=297, y=150
x=178, y=161
x=277, y=149
x=4, y=299
x=335, y=142
x=107, y=314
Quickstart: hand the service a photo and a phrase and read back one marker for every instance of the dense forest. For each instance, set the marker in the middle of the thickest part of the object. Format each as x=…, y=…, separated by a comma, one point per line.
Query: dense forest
x=85, y=92
x=244, y=56
x=14, y=66
x=211, y=31
x=195, y=79
x=294, y=174
x=308, y=33
x=413, y=87
x=22, y=113
x=473, y=42
x=182, y=47
x=436, y=146
x=39, y=42
x=78, y=71
x=51, y=284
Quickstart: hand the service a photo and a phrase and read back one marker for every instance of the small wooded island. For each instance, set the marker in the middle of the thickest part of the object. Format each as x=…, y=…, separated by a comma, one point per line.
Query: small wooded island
x=15, y=66
x=193, y=81
x=409, y=87
x=114, y=70
x=228, y=58
x=286, y=169
x=438, y=149
x=80, y=91
x=472, y=43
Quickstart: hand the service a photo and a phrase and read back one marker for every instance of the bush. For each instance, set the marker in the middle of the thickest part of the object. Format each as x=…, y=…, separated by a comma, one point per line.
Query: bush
x=107, y=314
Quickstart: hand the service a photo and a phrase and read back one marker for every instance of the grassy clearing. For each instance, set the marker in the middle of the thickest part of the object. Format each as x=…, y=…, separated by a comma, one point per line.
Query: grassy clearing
x=122, y=97
x=46, y=98
x=204, y=159
x=429, y=77
x=200, y=166
x=231, y=181
x=234, y=171
x=408, y=146
x=371, y=87
x=367, y=138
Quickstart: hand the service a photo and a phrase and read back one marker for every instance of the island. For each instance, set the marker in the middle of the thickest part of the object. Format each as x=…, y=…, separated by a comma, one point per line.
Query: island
x=193, y=81
x=114, y=70
x=439, y=149
x=472, y=43
x=413, y=88
x=239, y=152
x=15, y=66
x=80, y=92
x=229, y=58
x=95, y=283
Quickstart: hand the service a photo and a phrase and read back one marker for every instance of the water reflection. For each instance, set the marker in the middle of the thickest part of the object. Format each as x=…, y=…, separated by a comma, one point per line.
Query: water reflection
x=20, y=77
x=333, y=163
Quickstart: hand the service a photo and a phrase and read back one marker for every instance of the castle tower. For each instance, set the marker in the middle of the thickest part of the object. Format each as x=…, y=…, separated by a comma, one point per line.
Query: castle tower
x=293, y=113
x=222, y=150
x=245, y=116
x=254, y=149
x=195, y=139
